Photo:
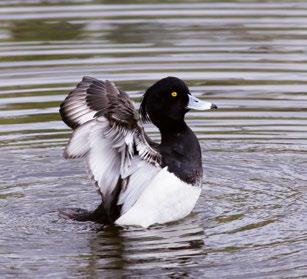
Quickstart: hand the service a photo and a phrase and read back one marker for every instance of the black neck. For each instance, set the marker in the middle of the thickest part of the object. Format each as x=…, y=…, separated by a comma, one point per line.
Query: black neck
x=171, y=127
x=168, y=125
x=181, y=152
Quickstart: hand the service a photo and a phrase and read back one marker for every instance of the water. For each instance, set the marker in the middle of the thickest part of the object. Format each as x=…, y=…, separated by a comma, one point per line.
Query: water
x=248, y=57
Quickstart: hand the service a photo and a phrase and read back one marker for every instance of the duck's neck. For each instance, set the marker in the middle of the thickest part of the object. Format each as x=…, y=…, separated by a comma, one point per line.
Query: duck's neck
x=166, y=124
x=173, y=130
x=181, y=152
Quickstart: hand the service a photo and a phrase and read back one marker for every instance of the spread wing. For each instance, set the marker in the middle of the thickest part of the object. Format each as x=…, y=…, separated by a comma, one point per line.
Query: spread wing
x=92, y=98
x=108, y=134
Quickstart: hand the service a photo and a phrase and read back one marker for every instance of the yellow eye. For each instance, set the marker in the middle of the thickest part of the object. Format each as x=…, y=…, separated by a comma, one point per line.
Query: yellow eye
x=174, y=94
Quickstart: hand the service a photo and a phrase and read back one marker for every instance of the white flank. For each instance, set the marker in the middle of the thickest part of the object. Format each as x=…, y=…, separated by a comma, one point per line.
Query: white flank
x=165, y=199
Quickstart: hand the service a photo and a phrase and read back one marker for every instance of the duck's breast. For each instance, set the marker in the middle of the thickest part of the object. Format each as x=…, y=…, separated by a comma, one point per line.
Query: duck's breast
x=166, y=199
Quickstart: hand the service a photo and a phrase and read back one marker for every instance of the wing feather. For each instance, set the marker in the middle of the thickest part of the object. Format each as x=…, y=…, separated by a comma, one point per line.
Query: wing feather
x=78, y=146
x=140, y=176
x=103, y=162
x=107, y=133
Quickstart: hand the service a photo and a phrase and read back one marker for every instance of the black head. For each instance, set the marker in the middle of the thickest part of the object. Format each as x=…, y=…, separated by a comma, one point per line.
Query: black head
x=165, y=102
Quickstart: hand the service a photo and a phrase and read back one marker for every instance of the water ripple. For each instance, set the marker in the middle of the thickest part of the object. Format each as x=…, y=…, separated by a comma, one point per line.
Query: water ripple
x=248, y=57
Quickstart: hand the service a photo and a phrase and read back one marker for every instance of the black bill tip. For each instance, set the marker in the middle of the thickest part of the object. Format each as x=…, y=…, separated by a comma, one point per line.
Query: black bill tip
x=213, y=106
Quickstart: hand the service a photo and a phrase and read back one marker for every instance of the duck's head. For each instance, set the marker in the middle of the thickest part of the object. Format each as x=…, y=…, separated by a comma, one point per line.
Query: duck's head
x=167, y=101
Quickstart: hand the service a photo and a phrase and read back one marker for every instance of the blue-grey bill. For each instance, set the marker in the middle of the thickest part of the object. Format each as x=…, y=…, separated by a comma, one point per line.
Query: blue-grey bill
x=195, y=103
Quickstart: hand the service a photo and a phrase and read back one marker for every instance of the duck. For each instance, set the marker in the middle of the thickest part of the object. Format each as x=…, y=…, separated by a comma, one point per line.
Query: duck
x=141, y=182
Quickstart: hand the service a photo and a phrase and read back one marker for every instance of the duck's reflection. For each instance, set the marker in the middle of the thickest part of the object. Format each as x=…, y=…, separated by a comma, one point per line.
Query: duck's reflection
x=117, y=252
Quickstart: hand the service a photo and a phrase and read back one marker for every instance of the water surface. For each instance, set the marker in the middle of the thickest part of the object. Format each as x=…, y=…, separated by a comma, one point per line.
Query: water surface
x=248, y=57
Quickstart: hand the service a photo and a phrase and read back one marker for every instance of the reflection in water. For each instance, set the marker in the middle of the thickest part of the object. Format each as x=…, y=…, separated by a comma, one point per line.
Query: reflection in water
x=122, y=251
x=248, y=57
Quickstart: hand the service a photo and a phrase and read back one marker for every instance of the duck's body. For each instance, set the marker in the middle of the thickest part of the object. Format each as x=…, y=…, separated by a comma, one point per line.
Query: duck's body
x=141, y=183
x=165, y=199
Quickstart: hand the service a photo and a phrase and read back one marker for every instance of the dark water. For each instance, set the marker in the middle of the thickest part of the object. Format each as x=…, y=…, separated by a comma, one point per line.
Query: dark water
x=248, y=57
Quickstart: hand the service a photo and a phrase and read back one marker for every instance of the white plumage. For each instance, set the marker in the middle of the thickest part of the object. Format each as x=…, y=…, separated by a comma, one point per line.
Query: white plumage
x=165, y=199
x=139, y=177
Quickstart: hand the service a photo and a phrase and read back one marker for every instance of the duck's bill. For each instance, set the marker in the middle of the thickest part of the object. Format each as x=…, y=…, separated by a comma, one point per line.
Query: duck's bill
x=195, y=103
